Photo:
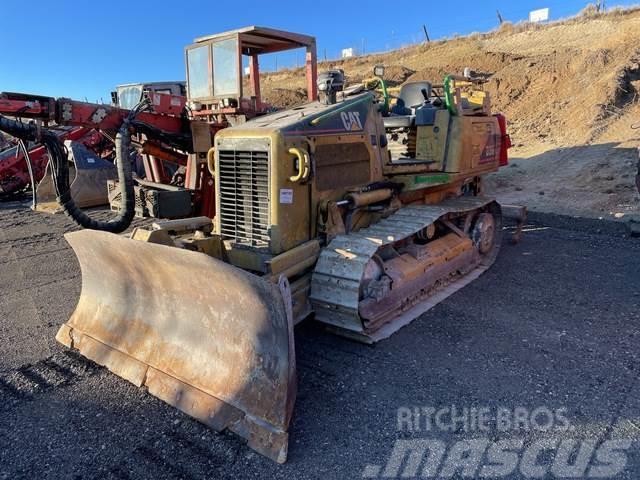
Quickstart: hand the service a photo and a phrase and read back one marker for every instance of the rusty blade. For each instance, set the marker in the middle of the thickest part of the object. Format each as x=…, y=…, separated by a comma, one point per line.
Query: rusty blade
x=204, y=336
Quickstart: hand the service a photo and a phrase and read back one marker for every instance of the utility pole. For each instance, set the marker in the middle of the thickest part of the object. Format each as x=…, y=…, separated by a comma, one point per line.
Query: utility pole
x=362, y=52
x=426, y=34
x=500, y=19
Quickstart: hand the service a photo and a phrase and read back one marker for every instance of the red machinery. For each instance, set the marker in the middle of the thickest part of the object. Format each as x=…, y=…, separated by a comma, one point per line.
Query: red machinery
x=165, y=117
x=14, y=175
x=84, y=122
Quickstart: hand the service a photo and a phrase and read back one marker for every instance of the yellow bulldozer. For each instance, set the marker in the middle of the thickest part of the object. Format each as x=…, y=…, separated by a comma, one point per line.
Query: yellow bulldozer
x=357, y=210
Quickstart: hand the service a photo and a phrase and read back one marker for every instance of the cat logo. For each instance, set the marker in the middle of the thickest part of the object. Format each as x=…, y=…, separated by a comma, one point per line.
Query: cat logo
x=351, y=121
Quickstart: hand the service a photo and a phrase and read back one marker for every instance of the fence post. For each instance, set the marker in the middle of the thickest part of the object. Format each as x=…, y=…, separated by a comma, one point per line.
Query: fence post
x=426, y=34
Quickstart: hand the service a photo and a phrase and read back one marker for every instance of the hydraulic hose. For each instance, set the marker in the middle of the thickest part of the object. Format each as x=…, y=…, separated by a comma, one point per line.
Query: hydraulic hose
x=122, y=221
x=60, y=174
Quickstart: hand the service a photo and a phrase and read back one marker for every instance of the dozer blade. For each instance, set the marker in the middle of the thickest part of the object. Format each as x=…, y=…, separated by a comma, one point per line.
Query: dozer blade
x=206, y=337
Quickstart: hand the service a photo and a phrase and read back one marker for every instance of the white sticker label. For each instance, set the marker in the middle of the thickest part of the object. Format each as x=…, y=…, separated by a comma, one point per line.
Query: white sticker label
x=286, y=195
x=91, y=160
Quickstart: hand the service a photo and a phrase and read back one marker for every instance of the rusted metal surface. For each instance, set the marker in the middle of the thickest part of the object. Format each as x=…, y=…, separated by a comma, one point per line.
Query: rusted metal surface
x=363, y=199
x=517, y=214
x=295, y=260
x=106, y=117
x=27, y=106
x=336, y=287
x=210, y=339
x=411, y=292
x=71, y=112
x=154, y=148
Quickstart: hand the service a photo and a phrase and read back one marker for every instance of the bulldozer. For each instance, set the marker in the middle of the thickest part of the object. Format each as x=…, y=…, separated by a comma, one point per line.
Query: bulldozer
x=356, y=210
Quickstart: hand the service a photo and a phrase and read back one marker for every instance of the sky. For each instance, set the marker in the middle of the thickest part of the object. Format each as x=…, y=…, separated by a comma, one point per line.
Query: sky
x=82, y=50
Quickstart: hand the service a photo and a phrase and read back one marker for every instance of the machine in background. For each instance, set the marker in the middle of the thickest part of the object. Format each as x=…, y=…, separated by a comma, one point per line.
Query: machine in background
x=75, y=123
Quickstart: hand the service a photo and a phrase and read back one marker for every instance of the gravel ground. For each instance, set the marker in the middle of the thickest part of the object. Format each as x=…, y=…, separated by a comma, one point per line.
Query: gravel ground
x=555, y=323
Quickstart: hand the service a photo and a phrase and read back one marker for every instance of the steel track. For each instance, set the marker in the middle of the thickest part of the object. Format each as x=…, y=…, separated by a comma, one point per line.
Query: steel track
x=335, y=285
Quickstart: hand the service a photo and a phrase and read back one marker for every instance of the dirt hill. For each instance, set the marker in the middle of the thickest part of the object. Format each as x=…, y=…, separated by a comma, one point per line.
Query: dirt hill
x=570, y=90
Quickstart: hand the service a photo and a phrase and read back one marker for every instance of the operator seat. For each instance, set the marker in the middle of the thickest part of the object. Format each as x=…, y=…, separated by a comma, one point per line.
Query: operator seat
x=411, y=97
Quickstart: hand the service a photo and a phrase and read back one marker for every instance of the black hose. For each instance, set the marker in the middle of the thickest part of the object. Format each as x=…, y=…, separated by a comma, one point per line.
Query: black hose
x=18, y=129
x=61, y=168
x=60, y=174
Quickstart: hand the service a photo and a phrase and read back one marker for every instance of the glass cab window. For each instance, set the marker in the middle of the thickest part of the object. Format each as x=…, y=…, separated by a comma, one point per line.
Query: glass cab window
x=225, y=68
x=198, y=71
x=213, y=70
x=129, y=97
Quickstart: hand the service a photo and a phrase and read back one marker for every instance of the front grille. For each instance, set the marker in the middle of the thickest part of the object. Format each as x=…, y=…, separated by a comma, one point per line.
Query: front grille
x=244, y=196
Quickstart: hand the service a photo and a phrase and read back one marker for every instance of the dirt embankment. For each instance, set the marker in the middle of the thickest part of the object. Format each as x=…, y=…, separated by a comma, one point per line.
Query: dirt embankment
x=570, y=90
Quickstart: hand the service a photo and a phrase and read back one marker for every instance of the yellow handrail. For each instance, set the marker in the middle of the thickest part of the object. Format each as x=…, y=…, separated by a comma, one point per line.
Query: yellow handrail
x=304, y=165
